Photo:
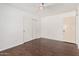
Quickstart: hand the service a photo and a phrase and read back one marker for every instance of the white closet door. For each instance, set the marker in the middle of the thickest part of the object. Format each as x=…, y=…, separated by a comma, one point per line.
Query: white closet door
x=27, y=32
x=11, y=27
x=35, y=28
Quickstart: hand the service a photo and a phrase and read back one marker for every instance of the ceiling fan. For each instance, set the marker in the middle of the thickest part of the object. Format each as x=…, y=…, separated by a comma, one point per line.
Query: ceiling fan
x=42, y=6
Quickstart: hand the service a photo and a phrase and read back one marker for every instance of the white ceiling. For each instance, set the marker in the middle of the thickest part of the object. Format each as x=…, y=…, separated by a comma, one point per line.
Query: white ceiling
x=50, y=8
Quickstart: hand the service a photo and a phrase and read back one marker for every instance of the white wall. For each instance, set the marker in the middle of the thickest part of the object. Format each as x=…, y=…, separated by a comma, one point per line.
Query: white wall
x=52, y=26
x=11, y=26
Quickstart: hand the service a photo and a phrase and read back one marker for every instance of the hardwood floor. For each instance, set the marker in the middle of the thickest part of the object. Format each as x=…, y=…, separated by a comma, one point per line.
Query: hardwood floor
x=43, y=47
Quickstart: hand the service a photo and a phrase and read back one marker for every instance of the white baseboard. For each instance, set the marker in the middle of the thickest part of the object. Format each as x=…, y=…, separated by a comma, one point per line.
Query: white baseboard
x=11, y=46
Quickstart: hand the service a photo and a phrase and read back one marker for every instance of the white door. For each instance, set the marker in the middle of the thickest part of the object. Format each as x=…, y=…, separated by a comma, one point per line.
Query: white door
x=27, y=25
x=69, y=29
x=34, y=28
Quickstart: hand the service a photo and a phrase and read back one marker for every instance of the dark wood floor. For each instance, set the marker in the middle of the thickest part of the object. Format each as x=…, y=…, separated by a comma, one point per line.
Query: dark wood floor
x=43, y=47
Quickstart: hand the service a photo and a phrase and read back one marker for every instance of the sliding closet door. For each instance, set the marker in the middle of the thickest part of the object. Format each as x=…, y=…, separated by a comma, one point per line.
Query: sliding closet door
x=27, y=28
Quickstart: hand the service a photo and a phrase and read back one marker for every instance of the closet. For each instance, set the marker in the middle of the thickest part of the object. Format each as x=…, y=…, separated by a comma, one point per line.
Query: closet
x=15, y=26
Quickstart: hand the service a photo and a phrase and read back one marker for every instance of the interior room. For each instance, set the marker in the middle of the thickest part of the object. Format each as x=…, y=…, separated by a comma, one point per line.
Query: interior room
x=39, y=29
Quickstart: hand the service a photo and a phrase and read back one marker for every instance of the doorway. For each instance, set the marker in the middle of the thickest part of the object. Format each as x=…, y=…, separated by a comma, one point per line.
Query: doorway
x=27, y=29
x=70, y=29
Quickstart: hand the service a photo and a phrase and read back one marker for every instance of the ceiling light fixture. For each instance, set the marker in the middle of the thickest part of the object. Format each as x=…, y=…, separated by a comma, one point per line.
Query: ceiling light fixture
x=41, y=6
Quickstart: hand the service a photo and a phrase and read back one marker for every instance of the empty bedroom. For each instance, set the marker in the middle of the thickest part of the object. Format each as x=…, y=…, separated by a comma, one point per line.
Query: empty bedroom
x=39, y=29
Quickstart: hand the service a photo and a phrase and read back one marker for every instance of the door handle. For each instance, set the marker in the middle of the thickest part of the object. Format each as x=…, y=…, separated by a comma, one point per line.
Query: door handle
x=63, y=30
x=24, y=31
